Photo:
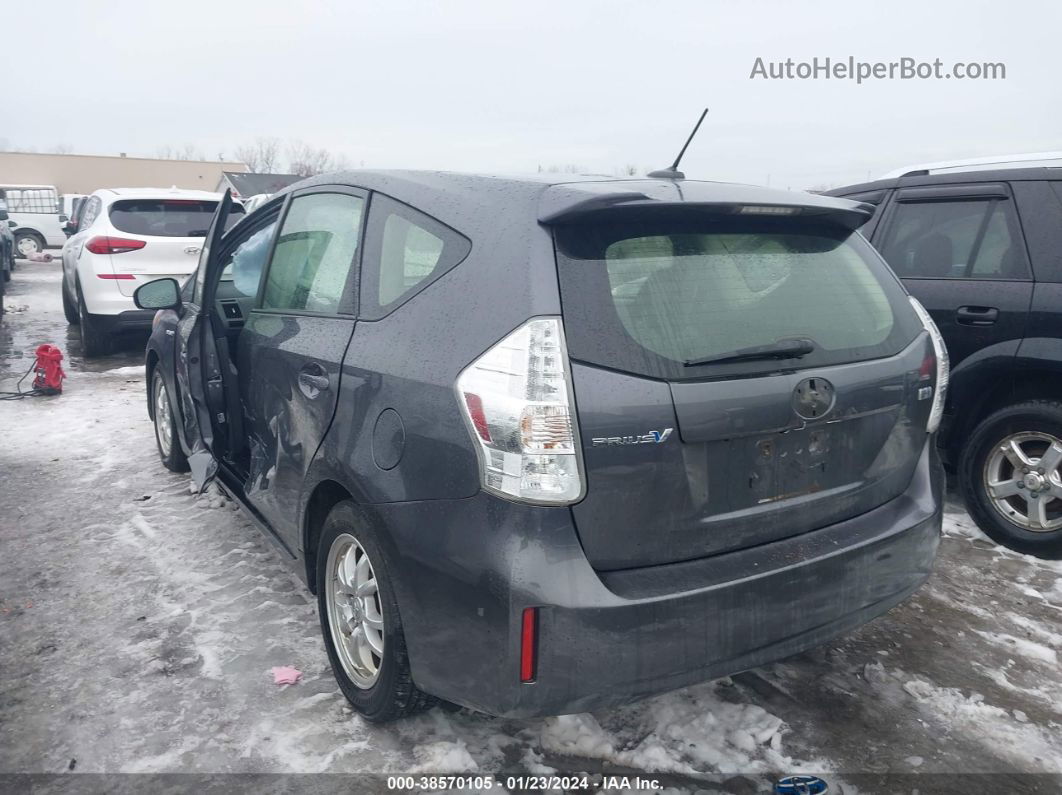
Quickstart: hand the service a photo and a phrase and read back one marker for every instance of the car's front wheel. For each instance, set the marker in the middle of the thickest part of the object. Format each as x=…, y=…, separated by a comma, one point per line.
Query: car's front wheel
x=1010, y=473
x=173, y=457
x=360, y=620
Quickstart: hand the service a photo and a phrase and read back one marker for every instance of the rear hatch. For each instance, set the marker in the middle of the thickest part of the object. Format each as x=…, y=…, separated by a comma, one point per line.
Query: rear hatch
x=169, y=233
x=689, y=451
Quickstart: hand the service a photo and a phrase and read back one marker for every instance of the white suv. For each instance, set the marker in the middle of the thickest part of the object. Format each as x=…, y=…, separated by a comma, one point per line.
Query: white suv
x=127, y=237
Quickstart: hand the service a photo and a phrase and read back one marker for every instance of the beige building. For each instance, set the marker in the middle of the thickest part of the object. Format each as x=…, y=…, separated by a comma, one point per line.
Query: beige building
x=86, y=173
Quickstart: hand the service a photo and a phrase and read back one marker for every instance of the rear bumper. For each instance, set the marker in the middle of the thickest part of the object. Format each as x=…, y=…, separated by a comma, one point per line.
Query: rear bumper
x=468, y=568
x=132, y=320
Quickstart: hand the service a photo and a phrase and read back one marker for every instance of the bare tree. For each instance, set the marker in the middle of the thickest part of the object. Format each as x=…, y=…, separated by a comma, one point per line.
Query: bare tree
x=262, y=157
x=568, y=168
x=306, y=160
x=191, y=152
x=187, y=152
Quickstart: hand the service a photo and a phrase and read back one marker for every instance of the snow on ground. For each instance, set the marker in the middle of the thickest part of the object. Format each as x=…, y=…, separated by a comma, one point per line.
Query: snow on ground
x=140, y=623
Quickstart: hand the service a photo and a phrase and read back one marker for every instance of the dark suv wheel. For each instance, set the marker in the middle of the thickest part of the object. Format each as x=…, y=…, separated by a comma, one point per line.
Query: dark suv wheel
x=1010, y=472
x=360, y=621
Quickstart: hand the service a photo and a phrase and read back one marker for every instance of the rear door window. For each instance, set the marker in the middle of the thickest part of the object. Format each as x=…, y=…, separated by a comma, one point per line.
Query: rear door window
x=649, y=298
x=315, y=254
x=972, y=239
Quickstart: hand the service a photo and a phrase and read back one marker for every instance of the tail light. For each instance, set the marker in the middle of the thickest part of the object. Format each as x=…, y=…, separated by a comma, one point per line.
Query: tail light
x=113, y=245
x=517, y=400
x=943, y=367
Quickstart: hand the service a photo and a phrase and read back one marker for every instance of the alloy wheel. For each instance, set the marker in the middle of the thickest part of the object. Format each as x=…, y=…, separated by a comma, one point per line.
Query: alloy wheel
x=355, y=615
x=163, y=418
x=1023, y=483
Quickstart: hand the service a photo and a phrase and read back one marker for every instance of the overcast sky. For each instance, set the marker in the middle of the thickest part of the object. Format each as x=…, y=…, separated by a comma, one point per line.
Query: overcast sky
x=507, y=86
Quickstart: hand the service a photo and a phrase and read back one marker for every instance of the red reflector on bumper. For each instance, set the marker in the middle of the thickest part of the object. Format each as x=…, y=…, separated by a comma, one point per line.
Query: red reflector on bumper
x=528, y=644
x=116, y=275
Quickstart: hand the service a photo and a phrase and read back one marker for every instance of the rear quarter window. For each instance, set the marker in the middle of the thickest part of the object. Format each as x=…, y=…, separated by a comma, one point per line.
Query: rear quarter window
x=405, y=251
x=648, y=298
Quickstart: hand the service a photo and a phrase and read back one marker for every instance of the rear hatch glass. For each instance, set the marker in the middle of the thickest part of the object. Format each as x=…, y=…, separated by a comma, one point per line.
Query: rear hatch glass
x=711, y=327
x=648, y=298
x=166, y=217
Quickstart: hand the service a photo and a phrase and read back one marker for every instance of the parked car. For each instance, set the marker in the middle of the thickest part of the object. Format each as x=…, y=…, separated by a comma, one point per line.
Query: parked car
x=38, y=217
x=126, y=237
x=7, y=242
x=980, y=249
x=69, y=202
x=517, y=483
x=7, y=250
x=71, y=226
x=252, y=203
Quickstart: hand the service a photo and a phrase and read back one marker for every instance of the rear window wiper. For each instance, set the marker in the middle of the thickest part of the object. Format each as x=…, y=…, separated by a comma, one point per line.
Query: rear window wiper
x=783, y=349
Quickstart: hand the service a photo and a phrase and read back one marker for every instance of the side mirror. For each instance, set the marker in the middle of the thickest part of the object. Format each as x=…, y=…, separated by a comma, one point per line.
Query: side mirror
x=159, y=294
x=63, y=218
x=13, y=224
x=69, y=228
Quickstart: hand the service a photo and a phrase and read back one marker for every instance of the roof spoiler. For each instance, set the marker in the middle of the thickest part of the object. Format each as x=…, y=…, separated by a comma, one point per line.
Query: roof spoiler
x=836, y=212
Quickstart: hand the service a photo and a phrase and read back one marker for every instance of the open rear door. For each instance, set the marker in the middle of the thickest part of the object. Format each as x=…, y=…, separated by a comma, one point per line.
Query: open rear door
x=201, y=371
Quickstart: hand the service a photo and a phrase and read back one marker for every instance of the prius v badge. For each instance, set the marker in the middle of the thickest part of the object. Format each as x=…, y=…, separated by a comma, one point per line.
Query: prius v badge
x=653, y=437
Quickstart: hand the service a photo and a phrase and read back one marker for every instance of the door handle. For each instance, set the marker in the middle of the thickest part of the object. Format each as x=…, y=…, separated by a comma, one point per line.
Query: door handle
x=313, y=380
x=976, y=315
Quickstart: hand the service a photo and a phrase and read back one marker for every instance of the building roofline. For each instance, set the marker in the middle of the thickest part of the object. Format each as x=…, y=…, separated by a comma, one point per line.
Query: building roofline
x=231, y=164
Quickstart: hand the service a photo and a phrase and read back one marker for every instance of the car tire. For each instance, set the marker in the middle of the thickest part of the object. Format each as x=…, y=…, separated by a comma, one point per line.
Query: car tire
x=34, y=243
x=391, y=694
x=166, y=439
x=1032, y=427
x=69, y=308
x=94, y=339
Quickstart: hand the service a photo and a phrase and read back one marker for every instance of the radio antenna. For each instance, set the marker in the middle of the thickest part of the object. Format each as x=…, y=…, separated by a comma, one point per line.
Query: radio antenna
x=672, y=172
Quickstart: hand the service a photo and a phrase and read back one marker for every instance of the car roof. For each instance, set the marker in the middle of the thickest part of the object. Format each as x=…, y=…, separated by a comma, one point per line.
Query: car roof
x=1038, y=173
x=553, y=197
x=990, y=163
x=161, y=193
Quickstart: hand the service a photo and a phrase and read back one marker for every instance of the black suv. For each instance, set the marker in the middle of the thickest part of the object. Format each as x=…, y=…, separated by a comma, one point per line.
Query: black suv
x=541, y=447
x=982, y=251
